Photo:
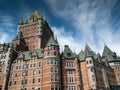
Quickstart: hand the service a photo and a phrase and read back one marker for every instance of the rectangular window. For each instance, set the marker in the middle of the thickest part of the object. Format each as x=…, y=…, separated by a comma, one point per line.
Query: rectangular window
x=24, y=82
x=39, y=64
x=69, y=64
x=33, y=81
x=55, y=78
x=39, y=79
x=39, y=72
x=34, y=72
x=72, y=87
x=71, y=76
x=55, y=87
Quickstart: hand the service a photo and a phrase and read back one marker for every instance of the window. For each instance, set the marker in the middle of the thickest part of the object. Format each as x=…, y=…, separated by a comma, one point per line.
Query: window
x=55, y=53
x=24, y=82
x=53, y=61
x=55, y=78
x=34, y=72
x=16, y=75
x=25, y=66
x=39, y=79
x=0, y=69
x=33, y=81
x=71, y=87
x=69, y=64
x=69, y=54
x=71, y=76
x=15, y=83
x=39, y=72
x=10, y=83
x=25, y=73
x=92, y=69
x=55, y=87
x=39, y=64
x=54, y=69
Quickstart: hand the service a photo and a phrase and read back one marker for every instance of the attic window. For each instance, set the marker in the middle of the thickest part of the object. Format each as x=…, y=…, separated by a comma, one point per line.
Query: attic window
x=69, y=54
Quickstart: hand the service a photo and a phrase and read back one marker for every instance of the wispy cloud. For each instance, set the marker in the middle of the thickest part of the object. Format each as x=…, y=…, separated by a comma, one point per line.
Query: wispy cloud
x=91, y=20
x=7, y=27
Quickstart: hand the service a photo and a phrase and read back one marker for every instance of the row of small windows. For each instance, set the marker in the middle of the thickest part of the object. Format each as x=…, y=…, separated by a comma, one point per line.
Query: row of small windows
x=55, y=87
x=69, y=64
x=89, y=62
x=72, y=87
x=53, y=61
x=55, y=78
x=25, y=81
x=27, y=66
x=55, y=69
x=25, y=73
x=48, y=53
x=116, y=62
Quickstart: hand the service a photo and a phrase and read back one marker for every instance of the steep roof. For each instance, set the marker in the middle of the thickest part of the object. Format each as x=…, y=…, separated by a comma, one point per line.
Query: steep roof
x=52, y=41
x=81, y=55
x=20, y=21
x=89, y=52
x=111, y=56
x=68, y=52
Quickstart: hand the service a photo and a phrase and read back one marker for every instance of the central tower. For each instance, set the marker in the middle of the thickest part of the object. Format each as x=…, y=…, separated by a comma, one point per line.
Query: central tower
x=34, y=31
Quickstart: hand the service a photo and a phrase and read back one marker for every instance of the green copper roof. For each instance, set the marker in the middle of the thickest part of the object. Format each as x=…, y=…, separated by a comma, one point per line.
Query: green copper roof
x=111, y=56
x=36, y=15
x=52, y=41
x=89, y=52
x=81, y=56
x=68, y=52
x=26, y=54
x=21, y=21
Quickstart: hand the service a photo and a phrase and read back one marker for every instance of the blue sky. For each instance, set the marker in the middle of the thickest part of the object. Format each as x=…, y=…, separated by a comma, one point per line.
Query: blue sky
x=74, y=22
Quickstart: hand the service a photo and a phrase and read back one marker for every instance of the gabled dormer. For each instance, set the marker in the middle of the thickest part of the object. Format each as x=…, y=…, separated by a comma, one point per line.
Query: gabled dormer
x=67, y=53
x=52, y=48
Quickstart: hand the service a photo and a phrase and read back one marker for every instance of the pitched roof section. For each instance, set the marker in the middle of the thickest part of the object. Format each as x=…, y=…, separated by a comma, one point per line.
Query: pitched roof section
x=36, y=15
x=81, y=56
x=111, y=56
x=27, y=56
x=21, y=21
x=68, y=52
x=89, y=52
x=52, y=41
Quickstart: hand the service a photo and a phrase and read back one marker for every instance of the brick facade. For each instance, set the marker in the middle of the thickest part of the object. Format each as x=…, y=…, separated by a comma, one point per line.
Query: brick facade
x=32, y=61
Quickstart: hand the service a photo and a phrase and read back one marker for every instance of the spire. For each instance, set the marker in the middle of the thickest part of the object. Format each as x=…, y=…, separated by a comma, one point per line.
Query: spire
x=88, y=51
x=21, y=21
x=106, y=50
x=36, y=15
x=111, y=56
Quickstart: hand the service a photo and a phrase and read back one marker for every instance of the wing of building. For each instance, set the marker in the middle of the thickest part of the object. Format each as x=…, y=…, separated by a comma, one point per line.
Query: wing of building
x=32, y=61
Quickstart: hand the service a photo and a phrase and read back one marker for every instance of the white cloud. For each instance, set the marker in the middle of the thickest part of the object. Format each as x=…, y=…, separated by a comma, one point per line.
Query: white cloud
x=91, y=19
x=4, y=37
x=7, y=27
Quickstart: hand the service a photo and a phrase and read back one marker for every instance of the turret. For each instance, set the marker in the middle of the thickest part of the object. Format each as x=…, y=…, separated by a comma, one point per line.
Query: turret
x=51, y=65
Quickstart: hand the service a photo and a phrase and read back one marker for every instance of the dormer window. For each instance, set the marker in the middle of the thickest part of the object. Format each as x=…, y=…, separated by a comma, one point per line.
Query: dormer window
x=69, y=54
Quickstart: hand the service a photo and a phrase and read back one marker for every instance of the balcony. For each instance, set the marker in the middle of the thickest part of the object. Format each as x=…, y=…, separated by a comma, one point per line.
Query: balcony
x=70, y=68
